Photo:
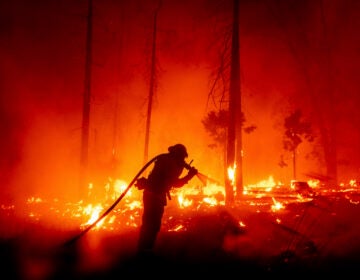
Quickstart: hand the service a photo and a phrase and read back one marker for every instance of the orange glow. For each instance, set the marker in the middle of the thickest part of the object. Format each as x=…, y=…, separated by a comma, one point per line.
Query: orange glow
x=231, y=174
x=265, y=185
x=94, y=213
x=189, y=207
x=183, y=202
x=120, y=186
x=76, y=81
x=128, y=213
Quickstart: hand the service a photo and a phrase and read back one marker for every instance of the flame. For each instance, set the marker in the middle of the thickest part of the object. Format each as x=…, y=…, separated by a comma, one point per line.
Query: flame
x=191, y=196
x=184, y=202
x=120, y=186
x=94, y=213
x=212, y=201
x=264, y=185
x=90, y=187
x=353, y=183
x=231, y=174
x=177, y=228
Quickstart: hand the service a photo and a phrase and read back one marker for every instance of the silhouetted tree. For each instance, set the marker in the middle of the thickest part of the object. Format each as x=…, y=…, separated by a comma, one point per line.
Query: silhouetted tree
x=85, y=127
x=227, y=77
x=152, y=86
x=315, y=61
x=296, y=131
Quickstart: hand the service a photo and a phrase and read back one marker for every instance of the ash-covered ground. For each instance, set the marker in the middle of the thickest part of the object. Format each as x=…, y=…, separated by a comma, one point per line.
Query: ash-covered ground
x=318, y=236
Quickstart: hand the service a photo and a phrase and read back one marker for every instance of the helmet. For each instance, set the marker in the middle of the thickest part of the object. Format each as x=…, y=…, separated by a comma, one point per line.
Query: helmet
x=178, y=149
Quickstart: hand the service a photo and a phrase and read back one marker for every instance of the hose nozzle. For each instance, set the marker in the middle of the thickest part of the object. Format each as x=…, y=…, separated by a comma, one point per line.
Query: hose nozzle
x=188, y=165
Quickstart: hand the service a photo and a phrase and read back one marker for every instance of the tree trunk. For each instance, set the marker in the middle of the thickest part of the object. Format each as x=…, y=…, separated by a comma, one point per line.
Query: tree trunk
x=294, y=164
x=86, y=106
x=234, y=143
x=151, y=89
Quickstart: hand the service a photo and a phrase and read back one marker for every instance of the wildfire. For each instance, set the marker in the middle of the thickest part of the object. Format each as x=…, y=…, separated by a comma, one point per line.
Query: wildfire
x=195, y=208
x=266, y=195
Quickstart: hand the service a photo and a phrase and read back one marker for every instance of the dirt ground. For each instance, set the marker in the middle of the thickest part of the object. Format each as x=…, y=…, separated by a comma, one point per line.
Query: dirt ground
x=316, y=237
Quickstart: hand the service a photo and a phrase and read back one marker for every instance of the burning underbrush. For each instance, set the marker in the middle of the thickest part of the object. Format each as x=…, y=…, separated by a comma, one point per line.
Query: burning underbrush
x=271, y=229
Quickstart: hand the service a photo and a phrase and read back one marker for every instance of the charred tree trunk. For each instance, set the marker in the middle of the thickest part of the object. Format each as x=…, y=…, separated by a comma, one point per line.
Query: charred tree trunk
x=151, y=88
x=234, y=143
x=331, y=148
x=294, y=164
x=235, y=86
x=86, y=106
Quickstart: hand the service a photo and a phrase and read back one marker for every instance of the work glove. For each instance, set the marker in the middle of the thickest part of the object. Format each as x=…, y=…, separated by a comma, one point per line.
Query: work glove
x=141, y=183
x=192, y=172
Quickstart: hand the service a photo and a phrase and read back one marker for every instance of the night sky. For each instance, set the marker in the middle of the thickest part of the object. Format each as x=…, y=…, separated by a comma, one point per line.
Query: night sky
x=294, y=55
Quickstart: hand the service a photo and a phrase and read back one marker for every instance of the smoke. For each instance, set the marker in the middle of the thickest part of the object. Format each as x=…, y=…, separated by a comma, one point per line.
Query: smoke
x=43, y=76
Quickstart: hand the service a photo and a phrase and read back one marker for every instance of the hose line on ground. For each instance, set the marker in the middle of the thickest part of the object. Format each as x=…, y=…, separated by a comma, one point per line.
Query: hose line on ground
x=75, y=238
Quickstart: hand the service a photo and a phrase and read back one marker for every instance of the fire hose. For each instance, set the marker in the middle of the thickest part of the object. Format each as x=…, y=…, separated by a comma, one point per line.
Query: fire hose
x=202, y=177
x=75, y=238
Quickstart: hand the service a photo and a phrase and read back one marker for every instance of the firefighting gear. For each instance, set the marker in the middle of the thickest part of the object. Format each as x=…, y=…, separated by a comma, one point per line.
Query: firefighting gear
x=192, y=172
x=164, y=176
x=179, y=150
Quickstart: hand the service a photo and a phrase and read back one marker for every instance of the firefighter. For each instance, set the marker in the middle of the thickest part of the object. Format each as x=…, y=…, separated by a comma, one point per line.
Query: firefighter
x=165, y=175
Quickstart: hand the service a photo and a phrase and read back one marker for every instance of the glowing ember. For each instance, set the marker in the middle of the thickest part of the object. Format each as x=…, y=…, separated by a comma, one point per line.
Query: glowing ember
x=277, y=205
x=177, y=228
x=241, y=224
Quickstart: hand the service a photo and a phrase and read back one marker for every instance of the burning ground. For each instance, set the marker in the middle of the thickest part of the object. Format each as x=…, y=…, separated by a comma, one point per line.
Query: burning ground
x=271, y=231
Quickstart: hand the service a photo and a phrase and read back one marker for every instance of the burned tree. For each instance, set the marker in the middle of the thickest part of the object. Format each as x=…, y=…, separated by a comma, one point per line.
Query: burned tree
x=227, y=81
x=152, y=86
x=234, y=140
x=216, y=125
x=86, y=106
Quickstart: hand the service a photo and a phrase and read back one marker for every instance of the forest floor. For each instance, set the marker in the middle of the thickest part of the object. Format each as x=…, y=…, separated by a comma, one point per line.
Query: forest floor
x=319, y=236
